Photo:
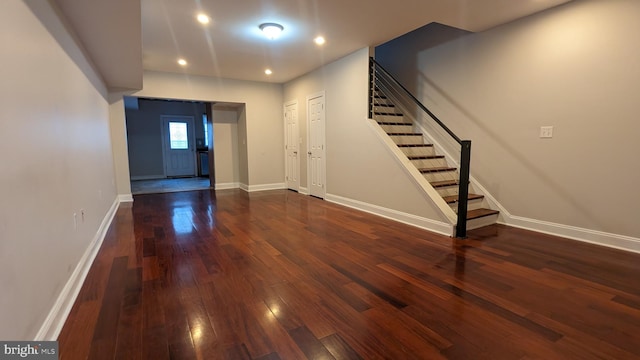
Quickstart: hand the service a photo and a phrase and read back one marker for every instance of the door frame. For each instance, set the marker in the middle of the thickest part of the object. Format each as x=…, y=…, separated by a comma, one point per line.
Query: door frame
x=320, y=94
x=192, y=140
x=297, y=139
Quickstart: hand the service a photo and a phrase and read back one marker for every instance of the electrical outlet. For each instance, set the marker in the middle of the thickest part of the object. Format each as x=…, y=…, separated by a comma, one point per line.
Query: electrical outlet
x=546, y=132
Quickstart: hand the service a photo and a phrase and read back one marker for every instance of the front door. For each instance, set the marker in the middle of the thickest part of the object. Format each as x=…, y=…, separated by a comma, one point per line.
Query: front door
x=316, y=153
x=178, y=146
x=292, y=163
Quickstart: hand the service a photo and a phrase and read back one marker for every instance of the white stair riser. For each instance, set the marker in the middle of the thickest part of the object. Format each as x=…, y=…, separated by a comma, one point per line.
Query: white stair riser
x=447, y=191
x=390, y=118
x=483, y=221
x=429, y=163
x=419, y=151
x=406, y=140
x=377, y=101
x=386, y=109
x=441, y=176
x=471, y=205
x=397, y=128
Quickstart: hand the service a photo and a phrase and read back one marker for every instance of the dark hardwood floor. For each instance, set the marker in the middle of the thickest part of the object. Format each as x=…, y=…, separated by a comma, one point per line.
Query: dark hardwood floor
x=278, y=275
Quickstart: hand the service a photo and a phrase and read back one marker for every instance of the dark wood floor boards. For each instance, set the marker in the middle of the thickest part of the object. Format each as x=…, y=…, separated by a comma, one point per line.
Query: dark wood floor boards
x=278, y=275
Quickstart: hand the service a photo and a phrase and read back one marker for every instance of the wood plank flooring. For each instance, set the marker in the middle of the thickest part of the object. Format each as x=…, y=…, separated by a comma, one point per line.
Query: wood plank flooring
x=278, y=275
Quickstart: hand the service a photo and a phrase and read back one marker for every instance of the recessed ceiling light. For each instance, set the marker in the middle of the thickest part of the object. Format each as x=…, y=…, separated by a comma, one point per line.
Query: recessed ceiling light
x=182, y=62
x=203, y=18
x=268, y=72
x=271, y=30
x=319, y=40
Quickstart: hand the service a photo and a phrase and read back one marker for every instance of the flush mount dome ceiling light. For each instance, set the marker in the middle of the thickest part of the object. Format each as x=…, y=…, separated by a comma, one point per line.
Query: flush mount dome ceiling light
x=271, y=30
x=203, y=18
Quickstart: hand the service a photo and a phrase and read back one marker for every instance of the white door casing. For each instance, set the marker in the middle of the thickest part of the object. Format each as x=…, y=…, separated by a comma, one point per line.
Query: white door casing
x=316, y=163
x=292, y=141
x=179, y=156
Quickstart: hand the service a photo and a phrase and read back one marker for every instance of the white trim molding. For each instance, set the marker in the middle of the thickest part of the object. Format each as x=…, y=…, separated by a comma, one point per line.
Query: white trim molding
x=125, y=198
x=226, y=186
x=263, y=187
x=57, y=316
x=616, y=241
x=303, y=190
x=439, y=227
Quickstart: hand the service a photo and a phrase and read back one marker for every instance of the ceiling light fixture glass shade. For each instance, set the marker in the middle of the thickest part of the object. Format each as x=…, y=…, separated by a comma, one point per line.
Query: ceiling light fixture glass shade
x=271, y=30
x=203, y=19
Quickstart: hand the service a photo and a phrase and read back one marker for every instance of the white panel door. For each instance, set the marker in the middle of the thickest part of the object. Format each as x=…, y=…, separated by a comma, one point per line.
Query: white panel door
x=178, y=139
x=316, y=154
x=292, y=139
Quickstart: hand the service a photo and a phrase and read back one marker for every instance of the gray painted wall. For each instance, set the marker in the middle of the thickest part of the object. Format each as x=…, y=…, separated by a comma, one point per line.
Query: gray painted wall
x=359, y=168
x=54, y=129
x=575, y=67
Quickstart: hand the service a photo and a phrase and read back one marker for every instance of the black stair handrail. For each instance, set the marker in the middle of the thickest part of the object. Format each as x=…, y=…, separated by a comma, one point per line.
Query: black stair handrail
x=376, y=72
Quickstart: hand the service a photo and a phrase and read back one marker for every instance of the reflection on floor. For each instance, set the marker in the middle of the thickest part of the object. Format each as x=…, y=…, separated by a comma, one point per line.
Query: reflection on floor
x=169, y=185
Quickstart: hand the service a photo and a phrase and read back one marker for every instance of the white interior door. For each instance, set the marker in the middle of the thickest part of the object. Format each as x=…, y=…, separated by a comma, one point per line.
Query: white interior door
x=316, y=153
x=292, y=140
x=178, y=137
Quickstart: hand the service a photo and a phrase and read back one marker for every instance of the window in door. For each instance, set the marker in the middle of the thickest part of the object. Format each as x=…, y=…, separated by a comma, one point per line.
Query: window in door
x=178, y=136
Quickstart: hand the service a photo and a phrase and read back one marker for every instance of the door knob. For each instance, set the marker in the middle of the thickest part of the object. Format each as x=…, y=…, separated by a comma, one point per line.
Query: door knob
x=309, y=153
x=295, y=152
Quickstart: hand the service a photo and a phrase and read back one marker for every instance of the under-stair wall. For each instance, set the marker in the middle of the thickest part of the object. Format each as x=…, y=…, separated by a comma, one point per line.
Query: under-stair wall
x=360, y=172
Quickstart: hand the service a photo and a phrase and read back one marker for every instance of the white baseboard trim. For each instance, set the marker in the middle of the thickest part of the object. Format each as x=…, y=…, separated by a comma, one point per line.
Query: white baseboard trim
x=148, y=177
x=226, y=186
x=405, y=218
x=57, y=316
x=125, y=198
x=616, y=241
x=244, y=187
x=263, y=187
x=303, y=190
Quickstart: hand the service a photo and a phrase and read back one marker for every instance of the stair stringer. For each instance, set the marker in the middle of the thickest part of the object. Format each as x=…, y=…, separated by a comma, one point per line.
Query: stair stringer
x=416, y=176
x=490, y=201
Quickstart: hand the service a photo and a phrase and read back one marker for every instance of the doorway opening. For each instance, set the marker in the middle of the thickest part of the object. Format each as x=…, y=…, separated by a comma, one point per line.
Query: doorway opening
x=170, y=145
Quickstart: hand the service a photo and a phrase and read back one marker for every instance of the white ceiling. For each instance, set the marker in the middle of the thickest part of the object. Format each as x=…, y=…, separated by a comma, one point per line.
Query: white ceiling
x=231, y=46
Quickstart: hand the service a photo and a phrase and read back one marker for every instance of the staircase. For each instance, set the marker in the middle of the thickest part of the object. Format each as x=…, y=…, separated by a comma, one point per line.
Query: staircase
x=432, y=166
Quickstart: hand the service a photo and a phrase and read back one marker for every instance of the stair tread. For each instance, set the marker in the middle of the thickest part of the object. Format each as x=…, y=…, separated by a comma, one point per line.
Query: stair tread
x=454, y=198
x=482, y=212
x=394, y=123
x=387, y=114
x=415, y=145
x=403, y=134
x=425, y=157
x=384, y=105
x=444, y=183
x=437, y=169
